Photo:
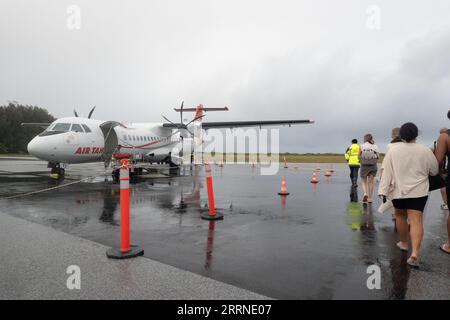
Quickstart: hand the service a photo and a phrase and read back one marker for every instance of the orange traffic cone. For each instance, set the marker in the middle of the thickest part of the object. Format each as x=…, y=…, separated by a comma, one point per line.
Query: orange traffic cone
x=314, y=178
x=283, y=191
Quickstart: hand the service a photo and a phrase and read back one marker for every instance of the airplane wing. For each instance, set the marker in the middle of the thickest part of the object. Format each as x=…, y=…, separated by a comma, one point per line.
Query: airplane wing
x=35, y=125
x=239, y=124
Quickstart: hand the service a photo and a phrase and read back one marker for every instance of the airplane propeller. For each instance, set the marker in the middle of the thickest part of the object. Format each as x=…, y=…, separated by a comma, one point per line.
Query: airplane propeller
x=181, y=125
x=90, y=113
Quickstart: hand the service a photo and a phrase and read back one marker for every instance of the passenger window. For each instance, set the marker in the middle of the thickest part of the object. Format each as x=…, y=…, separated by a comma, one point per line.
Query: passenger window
x=129, y=137
x=76, y=128
x=125, y=137
x=134, y=138
x=86, y=128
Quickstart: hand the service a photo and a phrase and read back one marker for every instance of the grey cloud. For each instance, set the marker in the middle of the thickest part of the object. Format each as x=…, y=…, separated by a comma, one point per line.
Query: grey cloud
x=348, y=103
x=264, y=59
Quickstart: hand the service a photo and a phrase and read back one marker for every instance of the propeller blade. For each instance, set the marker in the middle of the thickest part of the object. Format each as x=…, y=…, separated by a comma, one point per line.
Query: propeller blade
x=75, y=113
x=181, y=112
x=168, y=120
x=199, y=117
x=90, y=113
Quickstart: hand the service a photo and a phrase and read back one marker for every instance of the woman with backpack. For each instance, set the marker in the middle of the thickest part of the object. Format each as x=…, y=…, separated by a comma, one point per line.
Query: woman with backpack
x=368, y=158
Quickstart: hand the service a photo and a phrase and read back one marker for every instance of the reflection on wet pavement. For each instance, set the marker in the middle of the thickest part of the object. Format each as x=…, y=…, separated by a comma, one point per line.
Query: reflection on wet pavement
x=315, y=243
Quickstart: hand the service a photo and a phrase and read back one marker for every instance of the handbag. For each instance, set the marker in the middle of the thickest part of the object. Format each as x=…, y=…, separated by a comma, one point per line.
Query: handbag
x=436, y=182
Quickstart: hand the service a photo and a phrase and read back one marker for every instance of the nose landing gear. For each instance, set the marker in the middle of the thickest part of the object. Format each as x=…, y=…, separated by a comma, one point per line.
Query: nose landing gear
x=56, y=172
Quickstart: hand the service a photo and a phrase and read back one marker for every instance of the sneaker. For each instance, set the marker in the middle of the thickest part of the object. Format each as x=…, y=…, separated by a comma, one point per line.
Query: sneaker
x=444, y=206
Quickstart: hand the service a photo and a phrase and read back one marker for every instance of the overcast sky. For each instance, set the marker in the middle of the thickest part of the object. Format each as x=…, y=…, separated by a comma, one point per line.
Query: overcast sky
x=264, y=59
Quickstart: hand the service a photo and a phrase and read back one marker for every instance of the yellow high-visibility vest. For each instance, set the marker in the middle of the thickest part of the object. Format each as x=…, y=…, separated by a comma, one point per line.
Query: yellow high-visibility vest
x=352, y=155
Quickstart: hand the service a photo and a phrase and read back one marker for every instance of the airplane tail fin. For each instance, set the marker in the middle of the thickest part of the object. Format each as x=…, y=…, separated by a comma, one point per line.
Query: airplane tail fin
x=199, y=111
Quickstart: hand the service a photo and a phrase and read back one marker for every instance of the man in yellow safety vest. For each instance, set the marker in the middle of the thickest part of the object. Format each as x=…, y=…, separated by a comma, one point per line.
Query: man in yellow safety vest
x=352, y=158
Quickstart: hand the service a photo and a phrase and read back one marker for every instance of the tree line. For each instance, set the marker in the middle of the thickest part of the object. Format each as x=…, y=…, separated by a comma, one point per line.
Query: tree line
x=13, y=137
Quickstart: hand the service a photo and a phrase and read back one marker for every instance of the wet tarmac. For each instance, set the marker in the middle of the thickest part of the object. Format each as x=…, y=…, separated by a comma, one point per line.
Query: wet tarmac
x=313, y=244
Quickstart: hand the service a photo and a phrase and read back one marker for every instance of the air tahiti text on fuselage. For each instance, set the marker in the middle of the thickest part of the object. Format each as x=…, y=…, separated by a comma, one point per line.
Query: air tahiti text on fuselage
x=89, y=150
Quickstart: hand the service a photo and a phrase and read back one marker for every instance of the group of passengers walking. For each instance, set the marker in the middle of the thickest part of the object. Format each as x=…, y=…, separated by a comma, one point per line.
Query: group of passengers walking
x=408, y=173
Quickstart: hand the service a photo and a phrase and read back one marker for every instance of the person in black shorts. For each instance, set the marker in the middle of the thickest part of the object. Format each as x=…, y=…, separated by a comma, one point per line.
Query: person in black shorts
x=405, y=180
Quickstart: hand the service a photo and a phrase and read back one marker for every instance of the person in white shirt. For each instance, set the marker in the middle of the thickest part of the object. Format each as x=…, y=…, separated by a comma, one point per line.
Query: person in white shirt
x=368, y=158
x=407, y=167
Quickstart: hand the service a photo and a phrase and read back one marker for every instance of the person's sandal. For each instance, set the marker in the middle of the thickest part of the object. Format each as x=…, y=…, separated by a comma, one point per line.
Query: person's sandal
x=413, y=262
x=401, y=247
x=443, y=246
x=365, y=197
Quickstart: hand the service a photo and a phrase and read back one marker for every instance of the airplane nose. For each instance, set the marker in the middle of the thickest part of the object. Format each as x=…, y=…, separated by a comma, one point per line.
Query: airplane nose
x=35, y=147
x=31, y=147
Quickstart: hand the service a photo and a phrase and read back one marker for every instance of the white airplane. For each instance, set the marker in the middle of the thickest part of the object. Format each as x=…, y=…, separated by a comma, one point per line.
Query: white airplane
x=82, y=140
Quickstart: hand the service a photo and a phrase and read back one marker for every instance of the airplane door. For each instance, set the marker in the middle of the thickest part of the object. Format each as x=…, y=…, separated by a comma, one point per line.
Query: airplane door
x=111, y=140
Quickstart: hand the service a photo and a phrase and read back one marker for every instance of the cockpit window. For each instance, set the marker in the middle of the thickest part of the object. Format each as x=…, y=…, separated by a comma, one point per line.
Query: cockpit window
x=61, y=127
x=76, y=128
x=86, y=128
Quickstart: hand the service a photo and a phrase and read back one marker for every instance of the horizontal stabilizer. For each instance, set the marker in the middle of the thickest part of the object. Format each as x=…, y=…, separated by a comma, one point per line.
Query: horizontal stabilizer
x=204, y=109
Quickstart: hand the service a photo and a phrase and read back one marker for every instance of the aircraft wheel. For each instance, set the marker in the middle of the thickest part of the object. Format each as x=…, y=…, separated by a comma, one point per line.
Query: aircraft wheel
x=116, y=176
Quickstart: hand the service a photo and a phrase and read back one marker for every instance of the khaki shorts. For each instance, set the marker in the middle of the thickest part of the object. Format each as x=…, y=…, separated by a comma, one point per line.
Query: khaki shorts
x=367, y=170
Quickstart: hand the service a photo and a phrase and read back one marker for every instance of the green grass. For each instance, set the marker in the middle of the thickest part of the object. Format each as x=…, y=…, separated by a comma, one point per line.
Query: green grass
x=294, y=157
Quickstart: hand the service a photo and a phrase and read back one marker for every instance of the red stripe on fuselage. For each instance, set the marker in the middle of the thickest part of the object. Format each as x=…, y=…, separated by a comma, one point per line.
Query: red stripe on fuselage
x=142, y=146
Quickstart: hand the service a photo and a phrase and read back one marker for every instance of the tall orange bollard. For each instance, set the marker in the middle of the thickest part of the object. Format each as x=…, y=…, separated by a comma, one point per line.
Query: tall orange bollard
x=285, y=163
x=126, y=250
x=213, y=215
